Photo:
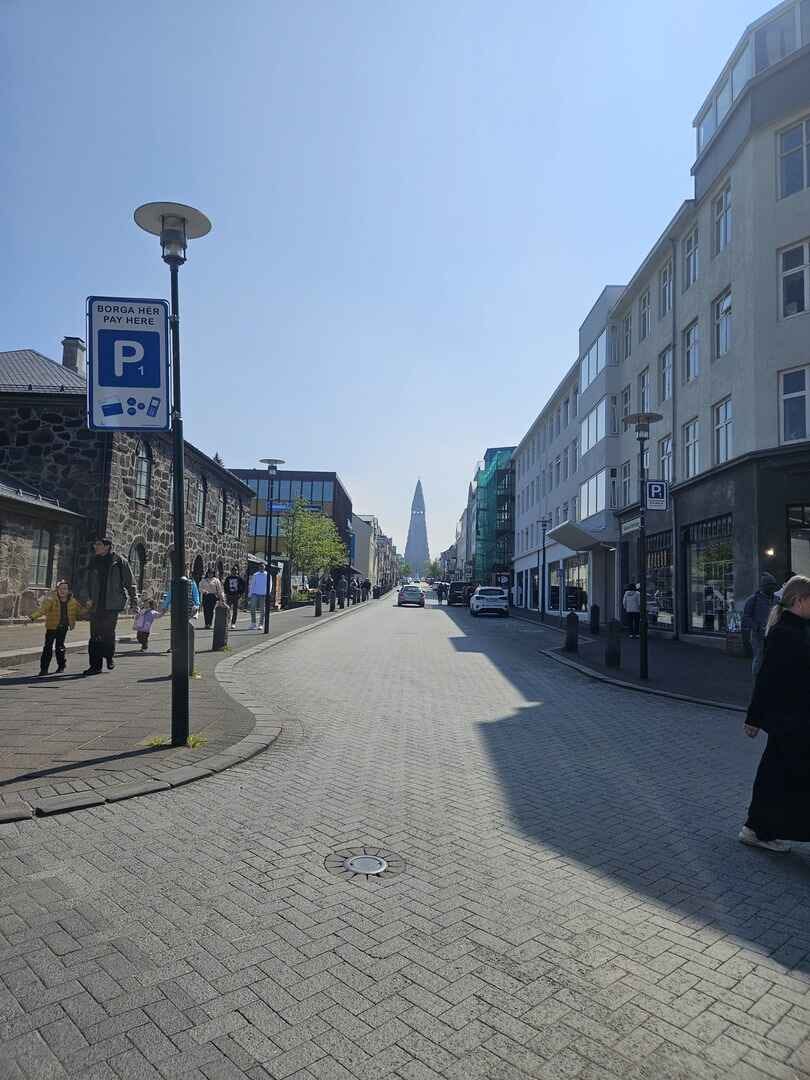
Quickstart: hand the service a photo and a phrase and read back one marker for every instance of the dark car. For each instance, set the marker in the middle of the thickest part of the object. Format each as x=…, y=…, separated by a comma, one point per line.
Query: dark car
x=460, y=592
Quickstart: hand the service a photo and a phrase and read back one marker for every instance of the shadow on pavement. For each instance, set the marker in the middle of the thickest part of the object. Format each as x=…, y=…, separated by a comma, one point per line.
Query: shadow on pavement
x=647, y=793
x=125, y=755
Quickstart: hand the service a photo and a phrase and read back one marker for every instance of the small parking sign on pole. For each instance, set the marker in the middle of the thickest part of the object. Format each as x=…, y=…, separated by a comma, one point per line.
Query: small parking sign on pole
x=128, y=376
x=657, y=495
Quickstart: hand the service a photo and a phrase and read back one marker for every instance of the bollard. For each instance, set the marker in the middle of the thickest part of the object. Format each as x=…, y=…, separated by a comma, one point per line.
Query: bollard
x=221, y=620
x=191, y=629
x=613, y=645
x=318, y=604
x=571, y=633
x=332, y=599
x=594, y=618
x=341, y=602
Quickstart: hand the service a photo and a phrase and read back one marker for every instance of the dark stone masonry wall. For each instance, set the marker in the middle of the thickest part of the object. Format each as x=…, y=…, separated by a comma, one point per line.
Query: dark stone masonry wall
x=18, y=596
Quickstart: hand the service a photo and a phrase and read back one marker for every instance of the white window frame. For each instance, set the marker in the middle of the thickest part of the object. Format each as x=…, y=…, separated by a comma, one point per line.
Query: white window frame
x=691, y=448
x=665, y=458
x=593, y=427
x=723, y=434
x=802, y=270
x=721, y=325
x=665, y=289
x=793, y=395
x=665, y=374
x=803, y=149
x=644, y=323
x=691, y=258
x=593, y=495
x=627, y=333
x=691, y=352
x=627, y=400
x=42, y=557
x=722, y=219
x=626, y=483
x=644, y=402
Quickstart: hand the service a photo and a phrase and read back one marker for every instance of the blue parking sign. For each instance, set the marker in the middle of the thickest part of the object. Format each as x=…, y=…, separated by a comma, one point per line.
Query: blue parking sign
x=128, y=374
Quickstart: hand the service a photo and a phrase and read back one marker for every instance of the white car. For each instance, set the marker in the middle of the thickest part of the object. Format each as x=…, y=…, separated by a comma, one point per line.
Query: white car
x=488, y=598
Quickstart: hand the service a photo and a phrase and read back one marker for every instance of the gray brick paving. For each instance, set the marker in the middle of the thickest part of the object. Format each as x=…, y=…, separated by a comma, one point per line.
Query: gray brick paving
x=574, y=902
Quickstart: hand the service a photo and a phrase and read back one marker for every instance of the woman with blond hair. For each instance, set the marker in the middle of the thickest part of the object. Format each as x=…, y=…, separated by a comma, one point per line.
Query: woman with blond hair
x=780, y=706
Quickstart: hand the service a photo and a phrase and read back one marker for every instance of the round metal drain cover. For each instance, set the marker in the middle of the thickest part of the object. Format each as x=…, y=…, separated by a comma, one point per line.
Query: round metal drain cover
x=368, y=863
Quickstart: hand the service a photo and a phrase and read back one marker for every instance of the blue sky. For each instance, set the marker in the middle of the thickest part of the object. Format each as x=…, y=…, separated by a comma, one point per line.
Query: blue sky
x=414, y=206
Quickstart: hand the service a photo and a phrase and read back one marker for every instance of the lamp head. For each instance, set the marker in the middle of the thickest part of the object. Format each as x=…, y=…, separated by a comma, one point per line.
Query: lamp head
x=175, y=224
x=641, y=421
x=272, y=463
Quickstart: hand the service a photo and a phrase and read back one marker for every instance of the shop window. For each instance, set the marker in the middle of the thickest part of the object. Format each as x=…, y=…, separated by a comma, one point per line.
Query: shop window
x=577, y=582
x=710, y=575
x=554, y=586
x=799, y=539
x=660, y=594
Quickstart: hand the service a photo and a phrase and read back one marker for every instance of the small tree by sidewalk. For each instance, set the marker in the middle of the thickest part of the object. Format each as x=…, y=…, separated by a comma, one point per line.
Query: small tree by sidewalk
x=312, y=541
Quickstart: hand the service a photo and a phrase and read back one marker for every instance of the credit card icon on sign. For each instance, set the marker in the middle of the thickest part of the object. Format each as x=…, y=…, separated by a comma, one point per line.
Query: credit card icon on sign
x=112, y=408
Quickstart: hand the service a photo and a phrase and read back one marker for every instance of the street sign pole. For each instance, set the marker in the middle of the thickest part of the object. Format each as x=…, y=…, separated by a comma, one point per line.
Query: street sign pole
x=642, y=559
x=180, y=585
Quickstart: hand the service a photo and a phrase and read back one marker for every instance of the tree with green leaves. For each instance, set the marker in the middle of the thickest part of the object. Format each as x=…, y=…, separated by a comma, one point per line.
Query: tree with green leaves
x=433, y=569
x=405, y=569
x=312, y=541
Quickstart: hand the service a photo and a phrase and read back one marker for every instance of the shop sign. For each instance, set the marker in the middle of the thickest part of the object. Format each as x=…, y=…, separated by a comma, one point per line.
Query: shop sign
x=633, y=525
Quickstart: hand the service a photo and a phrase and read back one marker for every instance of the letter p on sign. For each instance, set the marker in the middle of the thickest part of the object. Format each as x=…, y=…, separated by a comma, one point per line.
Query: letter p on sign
x=129, y=358
x=126, y=352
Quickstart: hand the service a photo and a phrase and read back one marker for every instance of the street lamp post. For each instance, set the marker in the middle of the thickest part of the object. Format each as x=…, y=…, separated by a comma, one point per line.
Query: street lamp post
x=176, y=224
x=544, y=523
x=641, y=422
x=272, y=467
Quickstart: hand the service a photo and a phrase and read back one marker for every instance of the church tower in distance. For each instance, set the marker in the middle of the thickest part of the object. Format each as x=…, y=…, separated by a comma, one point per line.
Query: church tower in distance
x=416, y=549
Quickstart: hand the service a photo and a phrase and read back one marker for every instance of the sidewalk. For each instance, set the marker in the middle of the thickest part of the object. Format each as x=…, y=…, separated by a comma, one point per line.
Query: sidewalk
x=675, y=667
x=64, y=735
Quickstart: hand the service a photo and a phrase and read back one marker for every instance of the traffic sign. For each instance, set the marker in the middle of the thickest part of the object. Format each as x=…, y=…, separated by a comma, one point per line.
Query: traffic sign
x=657, y=495
x=128, y=373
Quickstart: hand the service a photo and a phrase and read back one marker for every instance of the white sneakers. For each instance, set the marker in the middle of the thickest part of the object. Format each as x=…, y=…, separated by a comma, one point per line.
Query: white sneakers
x=748, y=836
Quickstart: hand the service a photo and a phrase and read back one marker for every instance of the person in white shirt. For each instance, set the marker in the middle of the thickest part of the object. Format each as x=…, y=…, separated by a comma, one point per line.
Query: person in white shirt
x=631, y=602
x=257, y=591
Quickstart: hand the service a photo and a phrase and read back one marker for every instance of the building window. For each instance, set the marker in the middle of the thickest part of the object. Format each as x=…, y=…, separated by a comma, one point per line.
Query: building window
x=723, y=432
x=41, y=557
x=565, y=464
x=202, y=499
x=557, y=471
x=239, y=519
x=665, y=374
x=574, y=456
x=721, y=317
x=775, y=40
x=137, y=561
x=691, y=448
x=644, y=315
x=557, y=418
x=627, y=401
x=627, y=335
x=690, y=259
x=592, y=428
x=795, y=275
x=710, y=574
x=794, y=405
x=143, y=471
x=721, y=210
x=592, y=495
x=644, y=391
x=223, y=510
x=625, y=477
x=665, y=289
x=566, y=408
x=575, y=401
x=794, y=159
x=799, y=540
x=187, y=485
x=691, y=352
x=577, y=571
x=593, y=362
x=665, y=458
x=613, y=427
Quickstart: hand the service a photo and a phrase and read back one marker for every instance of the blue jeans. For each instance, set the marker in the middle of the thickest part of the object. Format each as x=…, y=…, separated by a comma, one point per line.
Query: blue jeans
x=256, y=602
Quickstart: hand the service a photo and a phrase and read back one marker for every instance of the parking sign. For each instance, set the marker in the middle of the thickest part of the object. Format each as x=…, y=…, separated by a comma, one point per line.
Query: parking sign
x=128, y=374
x=657, y=495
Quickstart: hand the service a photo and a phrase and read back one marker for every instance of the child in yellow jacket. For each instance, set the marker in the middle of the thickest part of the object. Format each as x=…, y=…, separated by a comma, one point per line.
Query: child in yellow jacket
x=61, y=610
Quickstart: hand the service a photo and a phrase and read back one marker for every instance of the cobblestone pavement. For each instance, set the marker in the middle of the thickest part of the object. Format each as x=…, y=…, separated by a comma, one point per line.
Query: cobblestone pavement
x=573, y=901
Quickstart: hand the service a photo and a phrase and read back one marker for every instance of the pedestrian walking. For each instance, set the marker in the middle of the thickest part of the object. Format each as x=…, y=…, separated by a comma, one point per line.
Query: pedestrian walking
x=257, y=591
x=365, y=589
x=142, y=624
x=631, y=603
x=234, y=589
x=109, y=588
x=60, y=610
x=341, y=588
x=755, y=617
x=212, y=593
x=780, y=706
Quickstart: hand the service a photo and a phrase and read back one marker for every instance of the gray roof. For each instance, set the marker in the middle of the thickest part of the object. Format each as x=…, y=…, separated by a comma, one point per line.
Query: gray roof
x=27, y=370
x=20, y=492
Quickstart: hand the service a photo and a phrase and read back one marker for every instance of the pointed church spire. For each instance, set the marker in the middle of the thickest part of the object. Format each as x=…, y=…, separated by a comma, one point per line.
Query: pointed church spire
x=417, y=554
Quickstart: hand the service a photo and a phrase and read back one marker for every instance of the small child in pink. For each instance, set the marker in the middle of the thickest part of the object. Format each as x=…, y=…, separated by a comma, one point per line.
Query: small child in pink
x=143, y=624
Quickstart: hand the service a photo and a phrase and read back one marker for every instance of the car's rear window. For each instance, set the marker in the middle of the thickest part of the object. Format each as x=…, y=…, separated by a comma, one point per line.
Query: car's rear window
x=412, y=590
x=491, y=592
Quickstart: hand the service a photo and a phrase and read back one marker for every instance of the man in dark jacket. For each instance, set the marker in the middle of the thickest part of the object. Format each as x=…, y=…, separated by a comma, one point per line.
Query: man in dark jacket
x=109, y=586
x=234, y=588
x=755, y=617
x=341, y=589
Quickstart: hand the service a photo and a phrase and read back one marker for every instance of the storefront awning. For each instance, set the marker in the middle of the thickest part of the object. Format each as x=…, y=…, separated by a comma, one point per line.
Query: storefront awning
x=576, y=538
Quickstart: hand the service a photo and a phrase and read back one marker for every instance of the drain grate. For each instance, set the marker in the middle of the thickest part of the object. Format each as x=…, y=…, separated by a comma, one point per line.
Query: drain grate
x=368, y=863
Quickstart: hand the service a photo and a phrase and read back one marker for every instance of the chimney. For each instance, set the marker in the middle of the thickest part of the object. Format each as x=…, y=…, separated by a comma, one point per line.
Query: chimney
x=73, y=351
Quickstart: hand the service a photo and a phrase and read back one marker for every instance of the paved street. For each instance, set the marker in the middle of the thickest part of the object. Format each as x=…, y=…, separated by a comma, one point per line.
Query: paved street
x=567, y=896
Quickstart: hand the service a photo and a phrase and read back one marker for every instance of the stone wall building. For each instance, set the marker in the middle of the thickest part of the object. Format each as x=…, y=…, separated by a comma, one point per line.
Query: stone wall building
x=115, y=483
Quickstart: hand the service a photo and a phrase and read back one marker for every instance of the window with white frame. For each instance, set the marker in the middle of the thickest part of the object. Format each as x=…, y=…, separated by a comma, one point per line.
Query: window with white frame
x=565, y=463
x=691, y=448
x=574, y=456
x=690, y=258
x=613, y=494
x=593, y=362
x=665, y=374
x=644, y=315
x=723, y=432
x=794, y=413
x=665, y=458
x=665, y=289
x=557, y=471
x=775, y=40
x=794, y=158
x=592, y=495
x=592, y=428
x=691, y=352
x=41, y=557
x=721, y=317
x=721, y=213
x=574, y=511
x=613, y=425
x=644, y=391
x=795, y=279
x=627, y=335
x=564, y=511
x=557, y=418
x=143, y=471
x=627, y=401
x=625, y=479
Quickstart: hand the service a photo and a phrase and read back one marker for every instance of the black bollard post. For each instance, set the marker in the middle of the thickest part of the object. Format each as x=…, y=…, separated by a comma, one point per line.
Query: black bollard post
x=594, y=618
x=571, y=633
x=222, y=615
x=613, y=645
x=341, y=602
x=318, y=604
x=191, y=629
x=332, y=599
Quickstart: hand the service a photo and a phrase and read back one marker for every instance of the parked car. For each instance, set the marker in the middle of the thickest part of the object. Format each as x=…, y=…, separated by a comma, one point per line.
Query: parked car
x=460, y=592
x=411, y=594
x=489, y=598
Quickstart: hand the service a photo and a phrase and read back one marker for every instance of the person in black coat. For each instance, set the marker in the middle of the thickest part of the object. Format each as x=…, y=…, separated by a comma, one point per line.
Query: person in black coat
x=780, y=706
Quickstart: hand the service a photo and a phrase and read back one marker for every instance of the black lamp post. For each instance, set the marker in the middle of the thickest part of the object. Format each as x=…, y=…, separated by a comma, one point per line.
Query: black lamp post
x=272, y=464
x=176, y=224
x=641, y=422
x=544, y=523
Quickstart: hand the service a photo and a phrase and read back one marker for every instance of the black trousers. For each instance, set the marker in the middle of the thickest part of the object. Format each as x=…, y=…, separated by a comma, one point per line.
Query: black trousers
x=101, y=646
x=53, y=637
x=634, y=617
x=209, y=602
x=233, y=604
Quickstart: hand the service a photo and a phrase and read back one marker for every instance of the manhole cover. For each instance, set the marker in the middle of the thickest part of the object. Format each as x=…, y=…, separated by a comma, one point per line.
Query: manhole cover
x=368, y=863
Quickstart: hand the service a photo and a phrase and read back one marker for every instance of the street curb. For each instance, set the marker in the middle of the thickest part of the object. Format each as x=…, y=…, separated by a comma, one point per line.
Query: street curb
x=545, y=626
x=263, y=734
x=583, y=669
